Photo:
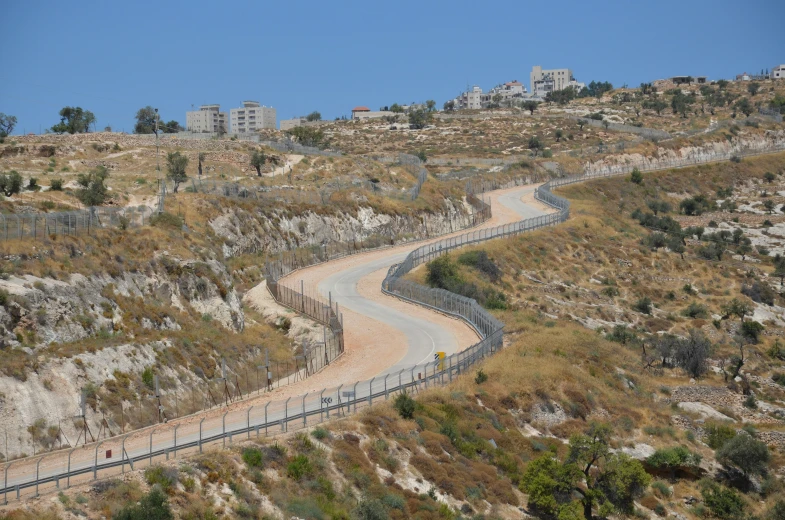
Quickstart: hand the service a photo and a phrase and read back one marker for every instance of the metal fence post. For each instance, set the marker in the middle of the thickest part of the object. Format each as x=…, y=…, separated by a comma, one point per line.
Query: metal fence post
x=248, y=421
x=305, y=422
x=321, y=406
x=265, y=418
x=386, y=394
x=223, y=427
x=151, y=445
x=286, y=414
x=174, y=447
x=68, y=471
x=354, y=391
x=200, y=434
x=5, y=484
x=95, y=461
x=370, y=392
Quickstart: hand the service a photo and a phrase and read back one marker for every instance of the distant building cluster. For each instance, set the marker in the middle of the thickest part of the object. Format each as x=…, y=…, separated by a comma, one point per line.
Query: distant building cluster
x=777, y=72
x=542, y=82
x=247, y=119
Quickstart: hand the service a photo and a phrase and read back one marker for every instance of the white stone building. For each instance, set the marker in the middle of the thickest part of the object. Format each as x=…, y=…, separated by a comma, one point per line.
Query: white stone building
x=778, y=72
x=251, y=117
x=208, y=119
x=544, y=81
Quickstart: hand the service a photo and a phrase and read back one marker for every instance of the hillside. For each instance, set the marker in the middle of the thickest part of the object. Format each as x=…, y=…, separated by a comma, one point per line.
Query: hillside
x=583, y=350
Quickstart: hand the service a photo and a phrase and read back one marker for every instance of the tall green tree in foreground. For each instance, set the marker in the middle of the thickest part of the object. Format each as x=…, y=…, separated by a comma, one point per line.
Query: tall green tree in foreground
x=591, y=477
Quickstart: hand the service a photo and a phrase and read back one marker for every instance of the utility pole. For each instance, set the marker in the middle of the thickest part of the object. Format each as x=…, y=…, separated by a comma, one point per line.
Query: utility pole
x=157, y=165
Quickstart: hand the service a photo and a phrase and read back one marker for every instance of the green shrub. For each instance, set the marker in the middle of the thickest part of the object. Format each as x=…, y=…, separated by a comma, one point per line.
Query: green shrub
x=320, y=433
x=643, y=305
x=253, y=457
x=636, y=176
x=718, y=434
x=148, y=378
x=673, y=458
x=371, y=509
x=778, y=377
x=695, y=310
x=166, y=220
x=661, y=488
x=404, y=405
x=482, y=262
x=723, y=503
x=442, y=273
x=56, y=185
x=153, y=506
x=481, y=377
x=299, y=467
x=164, y=476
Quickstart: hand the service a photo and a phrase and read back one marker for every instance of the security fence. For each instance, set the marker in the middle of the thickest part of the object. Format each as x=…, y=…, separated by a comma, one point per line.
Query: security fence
x=648, y=133
x=293, y=147
x=693, y=158
x=313, y=407
x=44, y=225
x=413, y=164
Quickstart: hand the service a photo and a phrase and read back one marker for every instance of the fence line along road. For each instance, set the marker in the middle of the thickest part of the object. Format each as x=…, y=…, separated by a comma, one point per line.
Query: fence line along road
x=345, y=397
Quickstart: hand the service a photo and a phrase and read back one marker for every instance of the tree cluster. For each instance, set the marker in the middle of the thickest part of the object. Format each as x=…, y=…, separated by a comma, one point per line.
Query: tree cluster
x=74, y=120
x=595, y=89
x=691, y=354
x=561, y=97
x=308, y=136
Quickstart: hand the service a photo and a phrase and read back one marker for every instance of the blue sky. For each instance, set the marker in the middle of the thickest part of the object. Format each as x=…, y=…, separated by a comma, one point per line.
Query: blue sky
x=115, y=57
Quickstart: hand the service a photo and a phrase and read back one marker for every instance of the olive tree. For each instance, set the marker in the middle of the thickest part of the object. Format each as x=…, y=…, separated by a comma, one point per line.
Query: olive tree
x=176, y=163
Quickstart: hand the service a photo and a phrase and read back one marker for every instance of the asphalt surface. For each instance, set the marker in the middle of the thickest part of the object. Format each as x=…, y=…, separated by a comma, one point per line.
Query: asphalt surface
x=423, y=337
x=423, y=340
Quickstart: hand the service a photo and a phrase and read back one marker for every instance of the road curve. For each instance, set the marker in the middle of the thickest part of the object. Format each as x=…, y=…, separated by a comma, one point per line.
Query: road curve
x=383, y=334
x=423, y=334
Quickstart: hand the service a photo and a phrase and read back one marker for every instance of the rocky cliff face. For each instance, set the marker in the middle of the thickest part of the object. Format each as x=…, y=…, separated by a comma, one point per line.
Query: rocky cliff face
x=663, y=157
x=245, y=232
x=41, y=311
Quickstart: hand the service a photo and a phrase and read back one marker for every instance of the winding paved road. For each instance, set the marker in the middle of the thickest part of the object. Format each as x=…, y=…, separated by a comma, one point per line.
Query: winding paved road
x=424, y=337
x=355, y=282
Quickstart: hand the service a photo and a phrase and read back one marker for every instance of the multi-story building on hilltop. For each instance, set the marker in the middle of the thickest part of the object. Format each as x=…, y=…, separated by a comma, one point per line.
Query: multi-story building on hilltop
x=544, y=81
x=208, y=119
x=251, y=117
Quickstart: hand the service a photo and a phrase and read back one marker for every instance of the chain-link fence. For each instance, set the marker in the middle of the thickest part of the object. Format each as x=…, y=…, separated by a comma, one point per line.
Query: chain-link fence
x=293, y=147
x=692, y=158
x=110, y=456
x=313, y=407
x=648, y=133
x=45, y=225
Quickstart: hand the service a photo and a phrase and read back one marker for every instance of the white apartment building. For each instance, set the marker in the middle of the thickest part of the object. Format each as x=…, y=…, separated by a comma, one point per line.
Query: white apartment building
x=251, y=117
x=778, y=72
x=512, y=90
x=544, y=81
x=470, y=100
x=208, y=119
x=475, y=98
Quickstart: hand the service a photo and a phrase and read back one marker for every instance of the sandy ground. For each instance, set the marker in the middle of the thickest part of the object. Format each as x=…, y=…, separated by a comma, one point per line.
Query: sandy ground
x=359, y=361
